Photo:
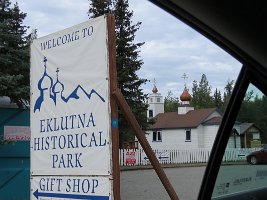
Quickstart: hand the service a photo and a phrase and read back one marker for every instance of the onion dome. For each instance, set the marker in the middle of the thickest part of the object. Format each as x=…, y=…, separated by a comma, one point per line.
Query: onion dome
x=185, y=96
x=155, y=89
x=46, y=81
x=58, y=86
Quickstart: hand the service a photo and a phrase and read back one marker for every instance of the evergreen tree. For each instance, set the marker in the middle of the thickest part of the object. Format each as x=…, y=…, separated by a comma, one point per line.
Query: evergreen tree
x=171, y=103
x=127, y=60
x=228, y=90
x=14, y=54
x=261, y=113
x=99, y=7
x=205, y=98
x=217, y=98
x=202, y=94
x=194, y=100
x=253, y=110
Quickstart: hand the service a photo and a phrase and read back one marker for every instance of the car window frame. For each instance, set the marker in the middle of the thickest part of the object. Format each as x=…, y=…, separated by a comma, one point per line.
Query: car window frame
x=248, y=75
x=252, y=72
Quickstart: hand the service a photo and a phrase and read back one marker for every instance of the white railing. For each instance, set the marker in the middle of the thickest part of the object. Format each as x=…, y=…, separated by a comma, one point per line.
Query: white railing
x=180, y=156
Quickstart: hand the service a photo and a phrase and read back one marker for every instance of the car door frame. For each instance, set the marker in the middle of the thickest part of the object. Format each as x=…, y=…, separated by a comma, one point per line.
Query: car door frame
x=247, y=75
x=251, y=72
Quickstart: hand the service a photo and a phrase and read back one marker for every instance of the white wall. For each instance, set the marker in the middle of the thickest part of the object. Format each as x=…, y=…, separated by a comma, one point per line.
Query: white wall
x=200, y=136
x=173, y=139
x=231, y=142
x=210, y=133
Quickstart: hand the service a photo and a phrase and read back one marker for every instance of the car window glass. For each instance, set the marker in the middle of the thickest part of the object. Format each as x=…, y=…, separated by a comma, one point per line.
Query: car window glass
x=191, y=81
x=243, y=168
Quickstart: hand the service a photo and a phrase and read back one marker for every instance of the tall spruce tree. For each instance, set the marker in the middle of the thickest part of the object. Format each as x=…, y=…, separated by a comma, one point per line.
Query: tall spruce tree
x=202, y=94
x=195, y=97
x=217, y=98
x=14, y=54
x=171, y=103
x=228, y=90
x=100, y=7
x=127, y=60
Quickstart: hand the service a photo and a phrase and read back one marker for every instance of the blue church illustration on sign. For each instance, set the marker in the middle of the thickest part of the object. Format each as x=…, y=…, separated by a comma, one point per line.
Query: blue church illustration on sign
x=55, y=90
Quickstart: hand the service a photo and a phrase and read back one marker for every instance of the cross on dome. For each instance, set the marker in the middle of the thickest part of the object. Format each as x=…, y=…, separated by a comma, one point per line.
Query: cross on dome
x=184, y=76
x=57, y=72
x=45, y=60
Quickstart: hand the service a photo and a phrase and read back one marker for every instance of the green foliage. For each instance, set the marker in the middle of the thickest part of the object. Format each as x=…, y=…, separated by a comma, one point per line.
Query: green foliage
x=171, y=103
x=194, y=100
x=228, y=90
x=201, y=97
x=99, y=7
x=127, y=60
x=217, y=99
x=254, y=110
x=14, y=54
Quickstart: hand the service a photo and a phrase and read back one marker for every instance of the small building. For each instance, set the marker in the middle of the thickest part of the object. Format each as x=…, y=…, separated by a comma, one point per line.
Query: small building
x=251, y=136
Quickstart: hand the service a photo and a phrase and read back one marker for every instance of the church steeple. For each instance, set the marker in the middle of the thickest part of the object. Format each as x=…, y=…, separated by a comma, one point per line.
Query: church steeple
x=155, y=102
x=46, y=82
x=57, y=88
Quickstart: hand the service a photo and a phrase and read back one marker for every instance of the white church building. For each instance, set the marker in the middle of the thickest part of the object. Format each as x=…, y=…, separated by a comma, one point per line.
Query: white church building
x=188, y=128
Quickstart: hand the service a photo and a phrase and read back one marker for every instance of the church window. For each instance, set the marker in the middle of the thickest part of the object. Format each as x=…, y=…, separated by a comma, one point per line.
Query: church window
x=150, y=113
x=157, y=137
x=158, y=100
x=188, y=135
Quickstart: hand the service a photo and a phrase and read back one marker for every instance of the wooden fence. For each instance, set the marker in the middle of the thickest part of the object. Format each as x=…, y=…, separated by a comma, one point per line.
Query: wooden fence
x=180, y=156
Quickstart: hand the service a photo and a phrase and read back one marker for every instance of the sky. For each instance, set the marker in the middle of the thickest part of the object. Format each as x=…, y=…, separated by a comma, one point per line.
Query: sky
x=171, y=47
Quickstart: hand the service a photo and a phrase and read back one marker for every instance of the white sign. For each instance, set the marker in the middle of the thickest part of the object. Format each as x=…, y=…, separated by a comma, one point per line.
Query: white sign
x=162, y=156
x=58, y=187
x=70, y=111
x=17, y=133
